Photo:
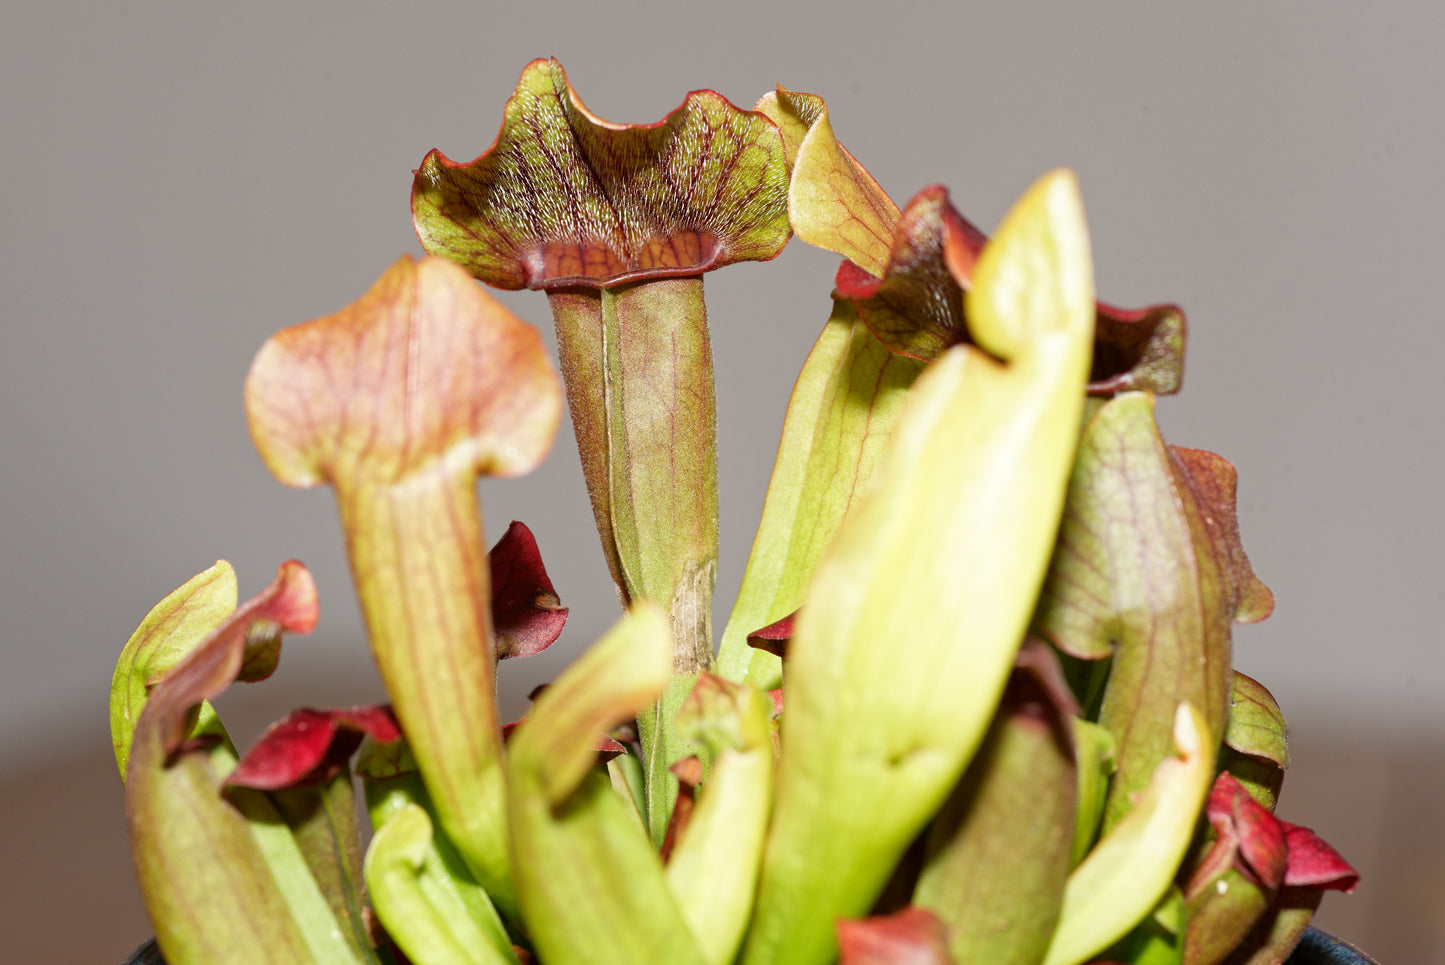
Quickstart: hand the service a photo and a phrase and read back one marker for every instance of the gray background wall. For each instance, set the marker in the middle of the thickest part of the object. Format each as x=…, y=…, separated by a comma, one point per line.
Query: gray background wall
x=180, y=179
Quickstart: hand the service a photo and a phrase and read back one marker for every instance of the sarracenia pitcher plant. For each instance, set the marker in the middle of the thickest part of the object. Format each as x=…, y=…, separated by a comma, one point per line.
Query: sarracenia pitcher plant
x=974, y=702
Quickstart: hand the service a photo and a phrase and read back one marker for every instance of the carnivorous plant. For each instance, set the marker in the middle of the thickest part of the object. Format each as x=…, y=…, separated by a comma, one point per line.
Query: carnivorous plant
x=974, y=702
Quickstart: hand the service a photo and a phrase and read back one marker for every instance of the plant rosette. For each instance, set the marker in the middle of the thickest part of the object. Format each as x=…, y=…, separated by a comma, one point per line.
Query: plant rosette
x=974, y=701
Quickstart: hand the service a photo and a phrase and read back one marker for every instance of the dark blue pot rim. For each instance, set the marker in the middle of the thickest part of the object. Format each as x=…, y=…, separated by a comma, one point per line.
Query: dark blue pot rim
x=1321, y=948
x=1315, y=948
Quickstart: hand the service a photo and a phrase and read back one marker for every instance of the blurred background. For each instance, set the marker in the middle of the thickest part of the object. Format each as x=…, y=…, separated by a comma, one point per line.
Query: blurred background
x=180, y=179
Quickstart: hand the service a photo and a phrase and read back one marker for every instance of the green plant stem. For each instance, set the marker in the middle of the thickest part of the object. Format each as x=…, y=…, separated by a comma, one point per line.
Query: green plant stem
x=324, y=822
x=577, y=313
x=419, y=559
x=638, y=368
x=662, y=747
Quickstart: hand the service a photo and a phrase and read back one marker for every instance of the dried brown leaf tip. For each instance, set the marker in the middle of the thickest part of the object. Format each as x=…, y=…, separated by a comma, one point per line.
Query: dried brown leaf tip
x=564, y=198
x=916, y=307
